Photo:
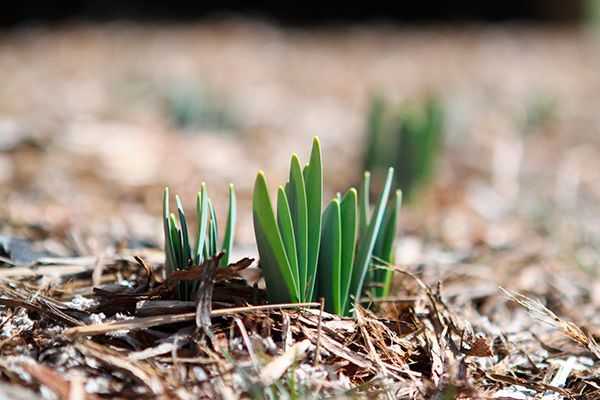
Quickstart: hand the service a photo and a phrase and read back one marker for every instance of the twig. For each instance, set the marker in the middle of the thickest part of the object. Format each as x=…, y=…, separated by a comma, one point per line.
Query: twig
x=8, y=261
x=246, y=339
x=318, y=344
x=146, y=322
x=97, y=271
x=205, y=291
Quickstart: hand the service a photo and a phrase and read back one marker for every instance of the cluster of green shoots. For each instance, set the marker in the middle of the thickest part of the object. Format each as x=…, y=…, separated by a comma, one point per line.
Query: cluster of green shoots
x=195, y=106
x=180, y=252
x=408, y=137
x=308, y=253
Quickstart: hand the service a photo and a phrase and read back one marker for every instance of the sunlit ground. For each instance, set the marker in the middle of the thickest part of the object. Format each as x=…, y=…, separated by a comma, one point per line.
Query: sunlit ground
x=92, y=124
x=96, y=119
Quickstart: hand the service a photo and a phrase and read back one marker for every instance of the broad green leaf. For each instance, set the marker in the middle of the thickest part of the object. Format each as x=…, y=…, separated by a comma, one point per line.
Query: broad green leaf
x=365, y=205
x=187, y=253
x=367, y=242
x=298, y=209
x=286, y=229
x=229, y=228
x=348, y=230
x=276, y=268
x=313, y=177
x=202, y=220
x=329, y=259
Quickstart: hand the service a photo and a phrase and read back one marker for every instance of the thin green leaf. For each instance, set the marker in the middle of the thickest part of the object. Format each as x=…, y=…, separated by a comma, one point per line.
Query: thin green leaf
x=176, y=240
x=213, y=231
x=229, y=228
x=187, y=252
x=384, y=247
x=298, y=209
x=313, y=177
x=202, y=220
x=286, y=228
x=169, y=249
x=329, y=272
x=367, y=242
x=276, y=268
x=348, y=229
x=365, y=205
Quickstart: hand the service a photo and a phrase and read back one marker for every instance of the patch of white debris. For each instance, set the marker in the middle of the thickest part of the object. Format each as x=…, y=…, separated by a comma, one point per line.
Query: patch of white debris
x=15, y=365
x=270, y=345
x=94, y=319
x=306, y=375
x=239, y=383
x=81, y=303
x=55, y=330
x=98, y=385
x=199, y=374
x=509, y=394
x=64, y=357
x=48, y=394
x=11, y=325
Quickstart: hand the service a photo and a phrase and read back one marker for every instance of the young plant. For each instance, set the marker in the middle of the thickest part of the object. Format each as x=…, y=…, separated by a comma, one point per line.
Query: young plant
x=180, y=252
x=408, y=137
x=288, y=241
x=346, y=255
x=299, y=244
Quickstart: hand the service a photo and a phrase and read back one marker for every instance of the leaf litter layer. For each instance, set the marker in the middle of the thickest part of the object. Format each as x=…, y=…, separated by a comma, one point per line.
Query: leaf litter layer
x=457, y=337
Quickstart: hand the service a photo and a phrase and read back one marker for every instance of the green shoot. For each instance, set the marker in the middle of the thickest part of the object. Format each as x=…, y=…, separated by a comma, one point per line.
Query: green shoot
x=179, y=253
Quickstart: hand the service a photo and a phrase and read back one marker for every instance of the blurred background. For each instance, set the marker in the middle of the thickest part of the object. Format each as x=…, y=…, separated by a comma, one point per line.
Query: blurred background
x=489, y=111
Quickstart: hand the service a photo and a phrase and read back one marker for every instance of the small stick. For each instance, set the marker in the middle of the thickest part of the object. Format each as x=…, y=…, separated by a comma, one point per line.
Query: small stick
x=318, y=345
x=286, y=330
x=97, y=271
x=246, y=339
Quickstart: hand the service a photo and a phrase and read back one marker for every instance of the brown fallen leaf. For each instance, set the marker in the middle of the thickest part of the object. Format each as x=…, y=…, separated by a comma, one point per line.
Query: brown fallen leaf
x=194, y=272
x=480, y=347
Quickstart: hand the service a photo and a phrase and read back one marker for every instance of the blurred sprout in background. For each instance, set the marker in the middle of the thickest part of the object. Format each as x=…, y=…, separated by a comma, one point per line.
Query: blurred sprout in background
x=592, y=13
x=406, y=136
x=195, y=107
x=541, y=108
